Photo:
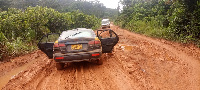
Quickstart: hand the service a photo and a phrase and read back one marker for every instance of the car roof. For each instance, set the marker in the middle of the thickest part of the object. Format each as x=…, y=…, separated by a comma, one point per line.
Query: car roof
x=105, y=20
x=71, y=33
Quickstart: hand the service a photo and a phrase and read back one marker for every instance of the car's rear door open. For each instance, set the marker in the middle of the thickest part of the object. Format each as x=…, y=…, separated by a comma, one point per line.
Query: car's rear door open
x=46, y=43
x=108, y=39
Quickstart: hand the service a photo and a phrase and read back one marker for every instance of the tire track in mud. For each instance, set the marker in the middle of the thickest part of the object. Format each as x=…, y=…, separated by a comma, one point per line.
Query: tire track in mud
x=137, y=63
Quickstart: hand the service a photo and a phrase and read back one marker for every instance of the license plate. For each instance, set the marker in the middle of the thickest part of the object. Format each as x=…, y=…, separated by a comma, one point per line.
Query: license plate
x=76, y=47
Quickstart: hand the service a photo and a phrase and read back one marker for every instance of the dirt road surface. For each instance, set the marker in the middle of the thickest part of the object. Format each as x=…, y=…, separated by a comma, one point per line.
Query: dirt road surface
x=138, y=62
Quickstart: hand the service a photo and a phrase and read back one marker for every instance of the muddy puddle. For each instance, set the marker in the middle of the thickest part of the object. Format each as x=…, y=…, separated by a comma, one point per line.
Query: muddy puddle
x=9, y=75
x=125, y=47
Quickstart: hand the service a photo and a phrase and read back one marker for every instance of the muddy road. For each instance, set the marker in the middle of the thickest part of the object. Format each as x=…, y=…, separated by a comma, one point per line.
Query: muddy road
x=137, y=63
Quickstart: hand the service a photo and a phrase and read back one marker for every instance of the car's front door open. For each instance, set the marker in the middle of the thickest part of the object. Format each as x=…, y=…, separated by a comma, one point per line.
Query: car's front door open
x=108, y=39
x=46, y=43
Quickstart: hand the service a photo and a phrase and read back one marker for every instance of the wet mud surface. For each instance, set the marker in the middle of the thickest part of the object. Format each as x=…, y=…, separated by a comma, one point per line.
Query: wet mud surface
x=138, y=62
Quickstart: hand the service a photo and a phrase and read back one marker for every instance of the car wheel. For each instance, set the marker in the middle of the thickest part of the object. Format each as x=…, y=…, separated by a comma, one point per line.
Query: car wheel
x=100, y=61
x=60, y=66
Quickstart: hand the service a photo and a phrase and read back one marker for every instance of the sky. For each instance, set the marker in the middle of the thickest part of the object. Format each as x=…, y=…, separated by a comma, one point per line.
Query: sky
x=109, y=3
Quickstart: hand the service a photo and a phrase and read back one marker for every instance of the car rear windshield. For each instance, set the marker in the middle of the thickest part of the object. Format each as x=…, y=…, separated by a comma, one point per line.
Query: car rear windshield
x=76, y=34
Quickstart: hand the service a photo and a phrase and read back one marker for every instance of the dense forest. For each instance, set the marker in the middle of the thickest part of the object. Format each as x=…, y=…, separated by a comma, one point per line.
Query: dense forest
x=88, y=7
x=24, y=22
x=177, y=20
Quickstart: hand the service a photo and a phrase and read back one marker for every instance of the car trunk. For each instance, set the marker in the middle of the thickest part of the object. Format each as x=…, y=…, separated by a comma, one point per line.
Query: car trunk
x=75, y=45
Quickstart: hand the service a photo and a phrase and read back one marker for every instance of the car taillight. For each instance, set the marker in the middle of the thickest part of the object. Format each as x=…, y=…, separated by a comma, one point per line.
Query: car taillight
x=61, y=45
x=91, y=42
x=55, y=45
x=96, y=42
x=59, y=48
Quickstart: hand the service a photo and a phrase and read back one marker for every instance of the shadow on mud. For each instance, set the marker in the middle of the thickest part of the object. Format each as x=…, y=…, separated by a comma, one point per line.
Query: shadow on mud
x=86, y=65
x=78, y=65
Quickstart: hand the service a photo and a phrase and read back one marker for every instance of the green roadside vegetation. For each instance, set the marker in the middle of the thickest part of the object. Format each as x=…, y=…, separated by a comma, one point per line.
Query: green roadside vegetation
x=177, y=20
x=87, y=7
x=21, y=30
x=24, y=22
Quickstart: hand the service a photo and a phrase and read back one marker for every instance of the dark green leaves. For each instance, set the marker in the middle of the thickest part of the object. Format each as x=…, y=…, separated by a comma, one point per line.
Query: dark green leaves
x=171, y=19
x=20, y=30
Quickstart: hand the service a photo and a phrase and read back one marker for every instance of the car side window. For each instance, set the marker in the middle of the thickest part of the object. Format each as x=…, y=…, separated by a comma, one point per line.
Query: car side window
x=104, y=34
x=112, y=34
x=107, y=34
x=44, y=40
x=53, y=37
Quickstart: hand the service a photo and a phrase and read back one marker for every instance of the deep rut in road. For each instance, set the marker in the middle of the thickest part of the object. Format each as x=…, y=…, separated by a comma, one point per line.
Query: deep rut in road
x=138, y=62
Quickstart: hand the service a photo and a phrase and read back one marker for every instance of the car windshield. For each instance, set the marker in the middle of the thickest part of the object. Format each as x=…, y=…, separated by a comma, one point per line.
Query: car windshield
x=105, y=22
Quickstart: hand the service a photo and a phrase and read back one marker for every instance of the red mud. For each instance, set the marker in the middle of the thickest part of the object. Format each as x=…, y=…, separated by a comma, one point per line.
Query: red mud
x=137, y=63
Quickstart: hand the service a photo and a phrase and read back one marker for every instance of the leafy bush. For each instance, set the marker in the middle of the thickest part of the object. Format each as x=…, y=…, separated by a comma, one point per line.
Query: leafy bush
x=176, y=20
x=18, y=47
x=20, y=30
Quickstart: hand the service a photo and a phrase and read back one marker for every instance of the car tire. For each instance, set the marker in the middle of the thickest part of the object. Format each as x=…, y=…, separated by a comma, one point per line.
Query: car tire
x=60, y=66
x=100, y=61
